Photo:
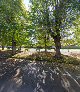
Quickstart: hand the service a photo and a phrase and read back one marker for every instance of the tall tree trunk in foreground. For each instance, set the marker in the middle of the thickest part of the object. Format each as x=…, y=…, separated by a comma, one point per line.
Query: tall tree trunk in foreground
x=57, y=39
x=57, y=46
x=55, y=34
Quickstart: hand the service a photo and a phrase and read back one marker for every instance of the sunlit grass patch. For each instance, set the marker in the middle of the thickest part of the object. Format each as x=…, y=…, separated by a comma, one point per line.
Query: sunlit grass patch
x=70, y=60
x=23, y=55
x=48, y=56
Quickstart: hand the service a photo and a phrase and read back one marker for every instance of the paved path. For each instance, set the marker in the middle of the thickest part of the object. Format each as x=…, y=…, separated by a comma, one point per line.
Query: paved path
x=40, y=77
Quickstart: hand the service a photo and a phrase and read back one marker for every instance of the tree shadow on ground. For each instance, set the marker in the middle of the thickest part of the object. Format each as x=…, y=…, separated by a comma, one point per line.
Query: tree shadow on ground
x=22, y=75
x=26, y=76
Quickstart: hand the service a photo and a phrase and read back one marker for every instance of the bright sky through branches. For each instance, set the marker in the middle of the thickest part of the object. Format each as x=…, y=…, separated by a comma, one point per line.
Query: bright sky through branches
x=26, y=2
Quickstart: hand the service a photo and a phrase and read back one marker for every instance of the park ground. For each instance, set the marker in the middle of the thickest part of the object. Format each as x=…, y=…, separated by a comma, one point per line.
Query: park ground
x=31, y=71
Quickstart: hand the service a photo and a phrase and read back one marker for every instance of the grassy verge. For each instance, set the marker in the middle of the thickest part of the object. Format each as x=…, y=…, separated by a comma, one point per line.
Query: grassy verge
x=42, y=56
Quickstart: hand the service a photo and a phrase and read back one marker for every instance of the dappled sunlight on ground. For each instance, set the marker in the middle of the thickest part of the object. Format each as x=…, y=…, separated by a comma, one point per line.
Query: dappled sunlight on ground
x=40, y=76
x=24, y=75
x=24, y=54
x=77, y=55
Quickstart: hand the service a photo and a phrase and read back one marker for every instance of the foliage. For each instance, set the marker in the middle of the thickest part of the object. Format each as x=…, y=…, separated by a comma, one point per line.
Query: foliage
x=54, y=17
x=45, y=21
x=76, y=30
x=13, y=22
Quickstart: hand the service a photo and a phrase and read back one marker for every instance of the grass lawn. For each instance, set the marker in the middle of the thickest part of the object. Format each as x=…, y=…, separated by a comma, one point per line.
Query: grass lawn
x=42, y=56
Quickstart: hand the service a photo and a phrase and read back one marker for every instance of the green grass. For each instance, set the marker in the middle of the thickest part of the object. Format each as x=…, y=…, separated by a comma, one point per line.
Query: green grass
x=42, y=56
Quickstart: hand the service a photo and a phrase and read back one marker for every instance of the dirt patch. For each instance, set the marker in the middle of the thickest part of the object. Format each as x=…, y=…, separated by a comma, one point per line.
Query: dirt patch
x=76, y=55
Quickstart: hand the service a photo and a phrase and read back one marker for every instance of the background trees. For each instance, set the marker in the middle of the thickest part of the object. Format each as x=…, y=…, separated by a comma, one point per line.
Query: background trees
x=13, y=23
x=76, y=30
x=53, y=16
x=46, y=20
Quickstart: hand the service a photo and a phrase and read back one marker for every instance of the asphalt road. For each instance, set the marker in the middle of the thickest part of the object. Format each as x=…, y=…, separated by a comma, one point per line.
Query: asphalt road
x=40, y=77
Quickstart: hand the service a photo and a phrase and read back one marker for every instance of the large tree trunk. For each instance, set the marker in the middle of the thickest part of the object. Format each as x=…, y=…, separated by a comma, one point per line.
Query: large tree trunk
x=13, y=46
x=57, y=46
x=2, y=47
x=55, y=34
x=57, y=42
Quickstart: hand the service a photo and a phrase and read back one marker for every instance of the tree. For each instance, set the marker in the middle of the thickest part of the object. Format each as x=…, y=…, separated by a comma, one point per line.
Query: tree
x=76, y=30
x=53, y=16
x=13, y=22
x=43, y=40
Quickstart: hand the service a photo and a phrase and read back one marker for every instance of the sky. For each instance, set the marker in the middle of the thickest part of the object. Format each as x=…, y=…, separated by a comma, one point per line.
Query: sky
x=26, y=2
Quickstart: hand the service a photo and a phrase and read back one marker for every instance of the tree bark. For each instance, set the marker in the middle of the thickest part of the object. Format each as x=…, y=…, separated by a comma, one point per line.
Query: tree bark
x=55, y=34
x=57, y=46
x=2, y=47
x=13, y=46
